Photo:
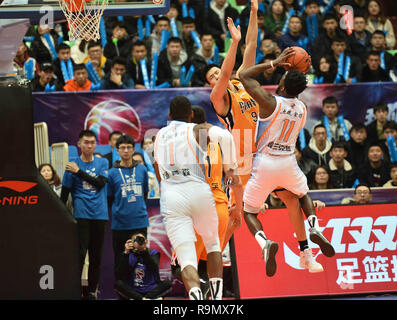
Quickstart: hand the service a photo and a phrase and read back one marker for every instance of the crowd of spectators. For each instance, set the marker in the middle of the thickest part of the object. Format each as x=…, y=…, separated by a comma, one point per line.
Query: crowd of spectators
x=193, y=33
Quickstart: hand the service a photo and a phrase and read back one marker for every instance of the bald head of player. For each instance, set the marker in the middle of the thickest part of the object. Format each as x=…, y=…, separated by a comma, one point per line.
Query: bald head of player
x=181, y=109
x=292, y=84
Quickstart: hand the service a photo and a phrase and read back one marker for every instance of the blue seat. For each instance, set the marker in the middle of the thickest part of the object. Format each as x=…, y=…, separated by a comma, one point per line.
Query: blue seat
x=103, y=149
x=73, y=153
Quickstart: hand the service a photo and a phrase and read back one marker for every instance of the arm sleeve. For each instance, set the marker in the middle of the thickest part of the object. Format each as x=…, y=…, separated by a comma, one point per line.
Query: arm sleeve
x=98, y=182
x=65, y=194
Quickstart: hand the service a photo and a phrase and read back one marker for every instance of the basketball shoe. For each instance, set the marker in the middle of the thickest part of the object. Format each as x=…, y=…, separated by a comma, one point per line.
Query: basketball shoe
x=326, y=247
x=307, y=261
x=269, y=255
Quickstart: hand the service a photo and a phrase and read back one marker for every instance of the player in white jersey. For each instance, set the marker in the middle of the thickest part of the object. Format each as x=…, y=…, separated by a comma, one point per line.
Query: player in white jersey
x=186, y=200
x=279, y=122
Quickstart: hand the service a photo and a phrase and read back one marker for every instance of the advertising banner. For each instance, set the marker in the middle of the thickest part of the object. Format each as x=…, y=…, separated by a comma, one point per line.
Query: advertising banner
x=141, y=113
x=364, y=238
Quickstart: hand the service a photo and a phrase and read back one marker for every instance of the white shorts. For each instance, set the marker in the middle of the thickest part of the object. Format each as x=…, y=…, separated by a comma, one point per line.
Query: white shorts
x=270, y=172
x=187, y=207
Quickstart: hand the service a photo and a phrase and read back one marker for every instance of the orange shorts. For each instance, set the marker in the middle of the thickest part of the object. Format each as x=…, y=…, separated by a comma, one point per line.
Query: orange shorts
x=223, y=216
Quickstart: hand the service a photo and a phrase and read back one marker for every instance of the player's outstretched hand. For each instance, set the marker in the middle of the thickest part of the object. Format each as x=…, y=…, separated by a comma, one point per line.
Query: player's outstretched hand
x=234, y=31
x=281, y=59
x=254, y=5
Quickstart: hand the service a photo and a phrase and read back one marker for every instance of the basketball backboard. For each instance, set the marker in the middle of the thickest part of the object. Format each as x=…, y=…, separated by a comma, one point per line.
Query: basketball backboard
x=35, y=9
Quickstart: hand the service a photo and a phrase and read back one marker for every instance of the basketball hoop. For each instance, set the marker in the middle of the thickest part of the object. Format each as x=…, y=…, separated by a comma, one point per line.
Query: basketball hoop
x=83, y=17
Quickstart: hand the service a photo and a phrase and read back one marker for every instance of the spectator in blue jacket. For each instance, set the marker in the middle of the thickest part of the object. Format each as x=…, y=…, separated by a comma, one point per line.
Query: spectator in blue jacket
x=117, y=78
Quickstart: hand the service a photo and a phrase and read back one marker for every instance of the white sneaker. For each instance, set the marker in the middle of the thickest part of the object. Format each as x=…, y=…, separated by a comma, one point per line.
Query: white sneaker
x=307, y=261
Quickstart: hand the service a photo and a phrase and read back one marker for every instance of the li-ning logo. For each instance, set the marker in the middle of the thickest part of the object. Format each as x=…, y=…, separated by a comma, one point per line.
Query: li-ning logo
x=20, y=187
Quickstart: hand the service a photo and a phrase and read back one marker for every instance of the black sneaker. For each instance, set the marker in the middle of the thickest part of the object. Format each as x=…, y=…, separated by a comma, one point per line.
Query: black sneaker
x=326, y=247
x=269, y=255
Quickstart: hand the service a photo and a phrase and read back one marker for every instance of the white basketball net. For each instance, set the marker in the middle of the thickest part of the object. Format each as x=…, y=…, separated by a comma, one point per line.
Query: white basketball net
x=84, y=17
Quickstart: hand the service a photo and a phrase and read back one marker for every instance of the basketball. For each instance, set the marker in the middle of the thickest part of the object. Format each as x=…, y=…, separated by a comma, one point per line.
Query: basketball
x=300, y=61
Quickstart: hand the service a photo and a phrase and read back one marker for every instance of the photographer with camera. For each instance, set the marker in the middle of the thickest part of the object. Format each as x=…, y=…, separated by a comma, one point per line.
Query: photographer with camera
x=137, y=276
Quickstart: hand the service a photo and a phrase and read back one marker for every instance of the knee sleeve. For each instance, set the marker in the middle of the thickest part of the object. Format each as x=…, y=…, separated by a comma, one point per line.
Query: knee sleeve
x=250, y=209
x=212, y=245
x=186, y=254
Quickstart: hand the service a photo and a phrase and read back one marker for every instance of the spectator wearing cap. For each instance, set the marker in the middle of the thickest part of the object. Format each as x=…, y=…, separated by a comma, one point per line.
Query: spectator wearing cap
x=45, y=77
x=117, y=78
x=80, y=81
x=342, y=172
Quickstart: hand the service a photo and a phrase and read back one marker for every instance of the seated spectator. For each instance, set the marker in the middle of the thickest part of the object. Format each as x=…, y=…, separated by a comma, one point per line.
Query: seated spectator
x=376, y=20
x=95, y=55
x=276, y=17
x=378, y=43
x=148, y=146
x=45, y=81
x=23, y=59
x=198, y=8
x=375, y=128
x=360, y=39
x=321, y=178
x=294, y=36
x=119, y=45
x=207, y=49
x=129, y=22
x=270, y=76
x=311, y=8
x=170, y=63
x=305, y=164
x=138, y=276
x=372, y=72
x=358, y=145
x=339, y=46
x=117, y=78
x=174, y=13
x=322, y=44
x=154, y=40
x=215, y=21
x=392, y=183
x=343, y=174
x=326, y=72
x=330, y=111
x=138, y=52
x=63, y=52
x=80, y=81
x=51, y=177
x=40, y=48
x=319, y=146
x=188, y=43
x=375, y=171
x=362, y=195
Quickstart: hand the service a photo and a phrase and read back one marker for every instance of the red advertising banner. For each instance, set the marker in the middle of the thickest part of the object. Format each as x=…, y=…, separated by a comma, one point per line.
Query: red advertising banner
x=364, y=238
